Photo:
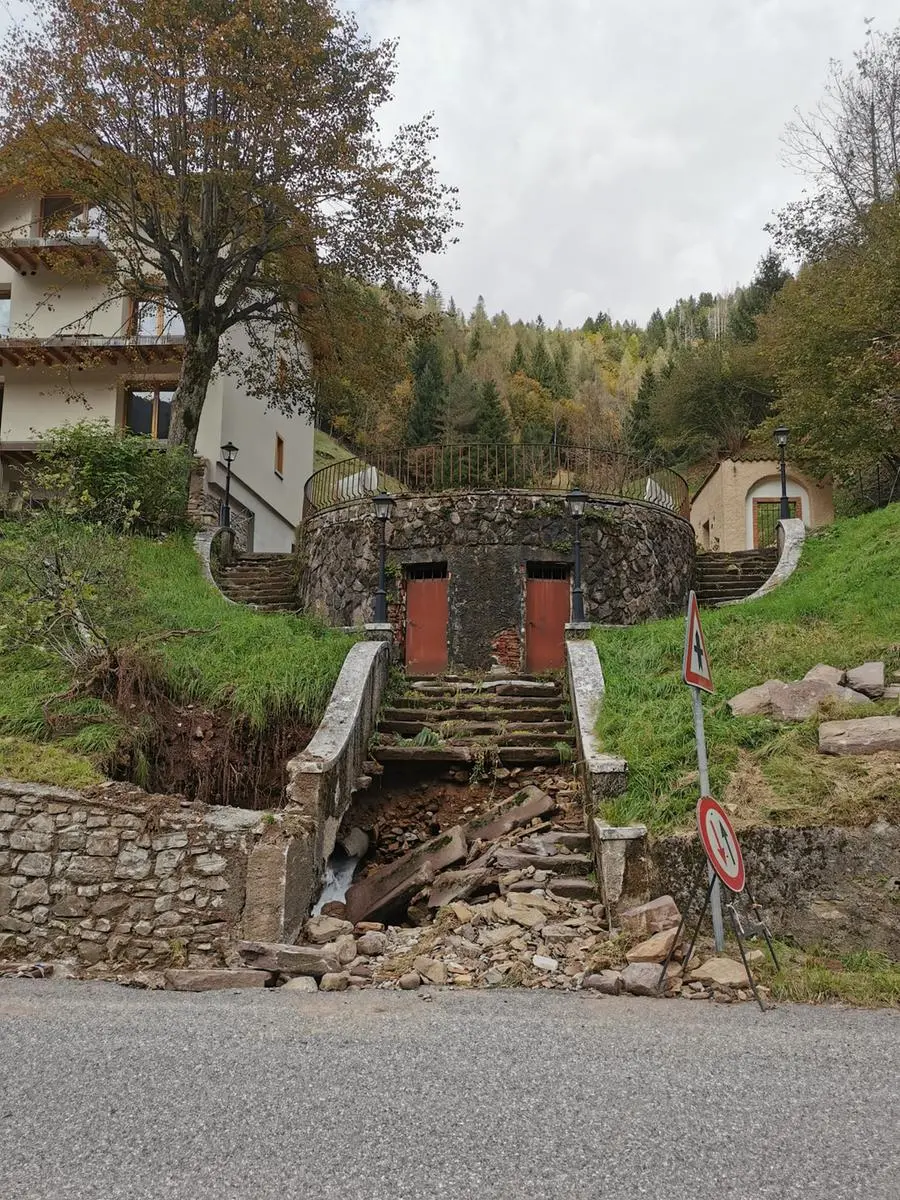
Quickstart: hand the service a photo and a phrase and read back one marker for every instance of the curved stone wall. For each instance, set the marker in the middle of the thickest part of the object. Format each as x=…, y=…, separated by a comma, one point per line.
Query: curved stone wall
x=637, y=562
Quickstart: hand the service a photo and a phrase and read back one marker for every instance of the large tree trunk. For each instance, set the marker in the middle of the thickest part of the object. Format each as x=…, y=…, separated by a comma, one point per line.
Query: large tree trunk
x=200, y=357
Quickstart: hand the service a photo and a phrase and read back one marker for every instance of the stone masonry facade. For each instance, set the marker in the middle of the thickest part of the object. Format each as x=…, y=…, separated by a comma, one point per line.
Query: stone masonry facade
x=637, y=562
x=122, y=878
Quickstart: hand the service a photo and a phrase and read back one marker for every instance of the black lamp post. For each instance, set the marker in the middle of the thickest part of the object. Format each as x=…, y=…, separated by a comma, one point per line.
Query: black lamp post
x=781, y=437
x=230, y=451
x=575, y=502
x=384, y=505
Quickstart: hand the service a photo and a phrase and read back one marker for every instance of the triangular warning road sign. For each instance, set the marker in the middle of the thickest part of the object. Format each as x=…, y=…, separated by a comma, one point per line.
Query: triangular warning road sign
x=695, y=668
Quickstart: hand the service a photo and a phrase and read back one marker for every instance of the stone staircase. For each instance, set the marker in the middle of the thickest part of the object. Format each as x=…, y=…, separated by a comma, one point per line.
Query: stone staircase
x=731, y=575
x=268, y=582
x=523, y=721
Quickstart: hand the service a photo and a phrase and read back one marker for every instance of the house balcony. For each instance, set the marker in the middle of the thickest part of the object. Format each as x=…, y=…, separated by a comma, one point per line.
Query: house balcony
x=27, y=255
x=87, y=350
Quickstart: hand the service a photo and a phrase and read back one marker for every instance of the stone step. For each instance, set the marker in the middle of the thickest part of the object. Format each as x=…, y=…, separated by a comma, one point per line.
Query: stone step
x=480, y=702
x=466, y=728
x=509, y=687
x=508, y=737
x=507, y=755
x=432, y=716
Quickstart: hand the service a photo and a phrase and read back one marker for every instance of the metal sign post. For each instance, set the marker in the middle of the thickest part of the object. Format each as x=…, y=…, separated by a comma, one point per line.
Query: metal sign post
x=696, y=672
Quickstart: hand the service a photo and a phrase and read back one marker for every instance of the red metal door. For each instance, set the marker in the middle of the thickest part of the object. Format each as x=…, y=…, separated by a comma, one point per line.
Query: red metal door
x=547, y=609
x=426, y=626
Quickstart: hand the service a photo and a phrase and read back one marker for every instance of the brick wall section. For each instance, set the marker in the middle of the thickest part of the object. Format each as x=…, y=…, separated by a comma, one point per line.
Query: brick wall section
x=506, y=647
x=124, y=878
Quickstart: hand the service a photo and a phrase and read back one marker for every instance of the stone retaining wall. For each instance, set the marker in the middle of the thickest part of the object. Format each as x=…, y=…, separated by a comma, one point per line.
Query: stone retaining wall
x=637, y=562
x=836, y=887
x=124, y=878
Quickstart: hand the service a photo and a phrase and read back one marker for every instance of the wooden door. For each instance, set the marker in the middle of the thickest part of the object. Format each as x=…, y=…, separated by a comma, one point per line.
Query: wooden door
x=548, y=604
x=427, y=615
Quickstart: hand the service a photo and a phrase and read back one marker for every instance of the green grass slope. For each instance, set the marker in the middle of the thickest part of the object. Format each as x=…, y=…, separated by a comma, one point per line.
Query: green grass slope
x=261, y=666
x=842, y=606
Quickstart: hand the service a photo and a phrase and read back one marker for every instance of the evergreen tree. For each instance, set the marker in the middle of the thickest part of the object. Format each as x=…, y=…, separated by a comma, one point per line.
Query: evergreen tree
x=754, y=300
x=429, y=393
x=491, y=424
x=640, y=433
x=460, y=413
x=517, y=361
x=542, y=368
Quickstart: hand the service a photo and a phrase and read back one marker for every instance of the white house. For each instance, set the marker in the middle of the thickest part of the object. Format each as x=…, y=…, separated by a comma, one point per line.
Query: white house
x=69, y=353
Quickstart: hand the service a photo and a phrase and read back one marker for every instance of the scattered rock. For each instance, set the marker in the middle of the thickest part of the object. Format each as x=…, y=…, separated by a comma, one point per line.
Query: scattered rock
x=654, y=917
x=791, y=701
x=722, y=972
x=642, y=979
x=334, y=981
x=355, y=843
x=409, y=981
x=431, y=969
x=607, y=982
x=822, y=673
x=213, y=979
x=324, y=929
x=868, y=679
x=457, y=885
x=301, y=983
x=868, y=735
x=372, y=944
x=544, y=963
x=654, y=950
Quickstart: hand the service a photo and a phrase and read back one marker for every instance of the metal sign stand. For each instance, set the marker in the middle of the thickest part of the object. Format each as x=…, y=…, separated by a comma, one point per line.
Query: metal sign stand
x=715, y=888
x=741, y=931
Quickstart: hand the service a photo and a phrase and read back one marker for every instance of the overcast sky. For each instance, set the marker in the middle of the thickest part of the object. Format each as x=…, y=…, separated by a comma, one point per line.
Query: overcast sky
x=611, y=155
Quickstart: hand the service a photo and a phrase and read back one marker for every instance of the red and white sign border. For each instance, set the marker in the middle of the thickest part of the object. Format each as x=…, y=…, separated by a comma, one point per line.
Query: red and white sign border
x=736, y=880
x=694, y=630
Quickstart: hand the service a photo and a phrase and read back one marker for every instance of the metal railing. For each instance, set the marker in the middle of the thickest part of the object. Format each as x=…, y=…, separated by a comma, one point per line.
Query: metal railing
x=496, y=466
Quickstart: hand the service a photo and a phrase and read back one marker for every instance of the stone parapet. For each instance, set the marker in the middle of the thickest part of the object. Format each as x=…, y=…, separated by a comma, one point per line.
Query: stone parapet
x=128, y=879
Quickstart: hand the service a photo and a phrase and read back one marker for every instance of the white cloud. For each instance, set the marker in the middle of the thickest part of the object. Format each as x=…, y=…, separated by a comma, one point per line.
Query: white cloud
x=611, y=156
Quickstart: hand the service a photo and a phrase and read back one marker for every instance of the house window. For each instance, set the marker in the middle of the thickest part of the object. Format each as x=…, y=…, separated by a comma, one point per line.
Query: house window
x=5, y=307
x=63, y=215
x=148, y=410
x=279, y=454
x=154, y=318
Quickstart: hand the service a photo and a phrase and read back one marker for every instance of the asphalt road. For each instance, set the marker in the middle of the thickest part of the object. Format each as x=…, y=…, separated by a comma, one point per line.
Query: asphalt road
x=115, y=1094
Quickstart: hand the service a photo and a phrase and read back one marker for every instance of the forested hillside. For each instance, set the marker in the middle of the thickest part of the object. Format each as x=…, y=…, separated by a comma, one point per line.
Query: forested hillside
x=816, y=348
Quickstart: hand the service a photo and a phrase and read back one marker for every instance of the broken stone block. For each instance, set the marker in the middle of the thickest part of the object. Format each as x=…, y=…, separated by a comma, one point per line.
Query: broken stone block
x=868, y=735
x=510, y=814
x=213, y=979
x=384, y=892
x=324, y=929
x=608, y=982
x=655, y=949
x=642, y=979
x=653, y=917
x=868, y=679
x=457, y=885
x=822, y=673
x=409, y=981
x=292, y=960
x=723, y=972
x=355, y=842
x=791, y=701
x=431, y=969
x=573, y=889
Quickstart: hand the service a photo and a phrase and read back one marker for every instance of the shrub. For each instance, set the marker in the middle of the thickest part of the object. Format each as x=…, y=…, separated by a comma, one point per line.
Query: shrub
x=108, y=477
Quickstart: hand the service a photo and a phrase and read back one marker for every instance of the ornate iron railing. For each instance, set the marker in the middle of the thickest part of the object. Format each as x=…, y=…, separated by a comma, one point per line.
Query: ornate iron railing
x=496, y=466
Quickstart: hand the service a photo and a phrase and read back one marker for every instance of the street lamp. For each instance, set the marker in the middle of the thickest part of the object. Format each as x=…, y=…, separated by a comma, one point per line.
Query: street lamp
x=781, y=438
x=575, y=502
x=230, y=451
x=384, y=505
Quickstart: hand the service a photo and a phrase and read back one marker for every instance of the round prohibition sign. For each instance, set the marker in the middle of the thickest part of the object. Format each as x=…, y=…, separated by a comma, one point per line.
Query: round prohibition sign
x=720, y=843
